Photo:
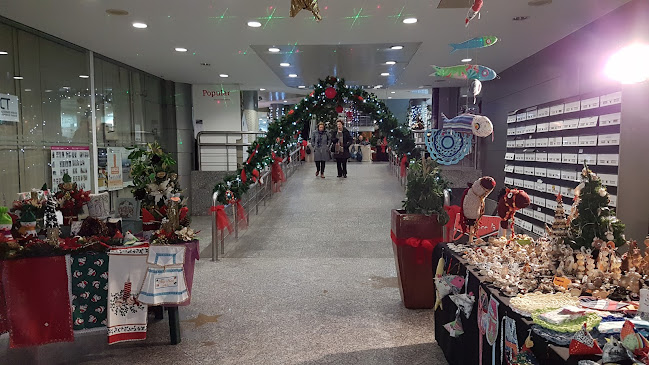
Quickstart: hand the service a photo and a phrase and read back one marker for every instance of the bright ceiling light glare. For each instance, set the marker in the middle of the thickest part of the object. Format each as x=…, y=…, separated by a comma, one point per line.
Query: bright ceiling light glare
x=465, y=60
x=385, y=74
x=389, y=97
x=180, y=49
x=18, y=77
x=301, y=87
x=629, y=65
x=396, y=48
x=84, y=76
x=262, y=89
x=391, y=63
x=292, y=75
x=3, y=52
x=285, y=101
x=393, y=92
x=224, y=75
x=273, y=50
x=139, y=25
x=285, y=64
x=410, y=21
x=254, y=24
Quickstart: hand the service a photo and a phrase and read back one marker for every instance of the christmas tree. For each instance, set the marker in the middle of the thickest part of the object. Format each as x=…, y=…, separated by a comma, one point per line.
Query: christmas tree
x=591, y=217
x=559, y=228
x=51, y=222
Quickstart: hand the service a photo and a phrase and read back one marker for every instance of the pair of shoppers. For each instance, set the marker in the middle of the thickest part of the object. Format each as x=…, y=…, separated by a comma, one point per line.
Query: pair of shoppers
x=338, y=143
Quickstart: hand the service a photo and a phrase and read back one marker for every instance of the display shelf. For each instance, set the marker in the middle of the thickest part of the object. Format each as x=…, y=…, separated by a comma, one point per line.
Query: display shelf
x=548, y=144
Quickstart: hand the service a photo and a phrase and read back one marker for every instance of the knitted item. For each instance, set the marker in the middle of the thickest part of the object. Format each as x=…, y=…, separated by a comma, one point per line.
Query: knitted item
x=590, y=320
x=473, y=200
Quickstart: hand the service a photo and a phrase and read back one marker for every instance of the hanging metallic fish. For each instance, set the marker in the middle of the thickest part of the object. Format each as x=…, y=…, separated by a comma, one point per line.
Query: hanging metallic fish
x=465, y=72
x=478, y=42
x=311, y=5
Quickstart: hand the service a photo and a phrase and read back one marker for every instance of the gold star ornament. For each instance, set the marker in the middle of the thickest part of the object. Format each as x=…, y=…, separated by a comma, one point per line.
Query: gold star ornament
x=202, y=319
x=311, y=5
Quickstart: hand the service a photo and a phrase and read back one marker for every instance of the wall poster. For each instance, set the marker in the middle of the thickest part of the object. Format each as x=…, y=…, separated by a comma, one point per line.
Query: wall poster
x=71, y=160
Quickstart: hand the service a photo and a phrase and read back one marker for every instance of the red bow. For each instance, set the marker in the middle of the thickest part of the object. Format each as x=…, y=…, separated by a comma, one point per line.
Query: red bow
x=252, y=155
x=421, y=244
x=404, y=161
x=255, y=175
x=243, y=175
x=241, y=214
x=222, y=220
x=303, y=151
x=384, y=144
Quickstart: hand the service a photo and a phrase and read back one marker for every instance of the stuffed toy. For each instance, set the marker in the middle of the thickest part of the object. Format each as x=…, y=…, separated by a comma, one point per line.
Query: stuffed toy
x=28, y=224
x=479, y=125
x=6, y=223
x=513, y=200
x=583, y=344
x=473, y=202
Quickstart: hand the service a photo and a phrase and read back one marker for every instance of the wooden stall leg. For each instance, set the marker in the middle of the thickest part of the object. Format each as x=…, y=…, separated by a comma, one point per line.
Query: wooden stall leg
x=174, y=325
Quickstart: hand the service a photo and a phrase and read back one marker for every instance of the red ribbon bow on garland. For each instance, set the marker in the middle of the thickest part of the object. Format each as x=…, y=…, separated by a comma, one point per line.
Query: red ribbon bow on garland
x=222, y=220
x=423, y=246
x=404, y=161
x=241, y=214
x=384, y=144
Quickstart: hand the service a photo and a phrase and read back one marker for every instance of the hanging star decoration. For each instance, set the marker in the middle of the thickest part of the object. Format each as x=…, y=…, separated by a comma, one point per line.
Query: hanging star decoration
x=202, y=319
x=311, y=5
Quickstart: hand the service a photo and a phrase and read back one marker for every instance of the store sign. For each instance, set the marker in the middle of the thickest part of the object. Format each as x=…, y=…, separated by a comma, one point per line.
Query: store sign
x=115, y=180
x=9, y=111
x=487, y=226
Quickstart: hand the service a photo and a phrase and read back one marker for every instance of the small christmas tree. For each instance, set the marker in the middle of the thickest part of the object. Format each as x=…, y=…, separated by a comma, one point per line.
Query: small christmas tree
x=559, y=229
x=51, y=222
x=591, y=217
x=425, y=190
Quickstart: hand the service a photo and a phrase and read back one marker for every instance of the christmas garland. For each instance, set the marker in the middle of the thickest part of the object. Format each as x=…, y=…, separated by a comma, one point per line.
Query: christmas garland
x=324, y=103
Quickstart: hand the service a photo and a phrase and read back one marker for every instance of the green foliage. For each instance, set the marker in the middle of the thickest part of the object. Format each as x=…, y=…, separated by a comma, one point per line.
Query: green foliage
x=594, y=219
x=150, y=167
x=425, y=190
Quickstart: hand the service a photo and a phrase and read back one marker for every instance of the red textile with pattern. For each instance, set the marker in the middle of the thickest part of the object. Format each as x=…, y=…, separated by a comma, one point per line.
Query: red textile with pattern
x=4, y=322
x=38, y=301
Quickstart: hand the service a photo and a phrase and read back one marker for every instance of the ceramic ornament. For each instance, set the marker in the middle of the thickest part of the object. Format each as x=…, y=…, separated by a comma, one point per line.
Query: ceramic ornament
x=473, y=204
x=310, y=5
x=454, y=327
x=584, y=344
x=464, y=302
x=475, y=89
x=478, y=125
x=473, y=43
x=465, y=72
x=473, y=11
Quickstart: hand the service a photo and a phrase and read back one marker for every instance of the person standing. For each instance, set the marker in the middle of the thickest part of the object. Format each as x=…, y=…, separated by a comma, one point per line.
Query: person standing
x=320, y=141
x=341, y=139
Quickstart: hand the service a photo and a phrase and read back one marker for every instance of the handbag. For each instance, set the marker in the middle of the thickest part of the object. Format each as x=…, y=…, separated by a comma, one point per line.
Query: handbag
x=308, y=150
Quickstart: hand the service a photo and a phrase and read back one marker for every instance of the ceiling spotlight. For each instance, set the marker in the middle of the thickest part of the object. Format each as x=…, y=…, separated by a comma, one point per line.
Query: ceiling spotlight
x=285, y=101
x=627, y=65
x=391, y=63
x=84, y=76
x=273, y=49
x=28, y=90
x=48, y=91
x=3, y=52
x=410, y=21
x=396, y=48
x=465, y=60
x=139, y=25
x=180, y=49
x=301, y=87
x=254, y=24
x=285, y=64
x=389, y=97
x=520, y=18
x=292, y=75
x=262, y=89
x=224, y=75
x=385, y=74
x=18, y=77
x=393, y=92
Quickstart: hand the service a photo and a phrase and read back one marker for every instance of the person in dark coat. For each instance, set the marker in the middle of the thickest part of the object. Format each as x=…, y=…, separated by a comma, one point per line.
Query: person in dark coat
x=320, y=141
x=341, y=139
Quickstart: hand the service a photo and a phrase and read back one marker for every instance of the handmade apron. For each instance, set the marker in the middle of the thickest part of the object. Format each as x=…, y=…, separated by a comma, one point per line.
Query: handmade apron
x=164, y=282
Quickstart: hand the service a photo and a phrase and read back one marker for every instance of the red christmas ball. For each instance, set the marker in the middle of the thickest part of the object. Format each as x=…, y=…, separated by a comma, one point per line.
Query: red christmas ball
x=330, y=93
x=290, y=112
x=312, y=93
x=360, y=98
x=339, y=109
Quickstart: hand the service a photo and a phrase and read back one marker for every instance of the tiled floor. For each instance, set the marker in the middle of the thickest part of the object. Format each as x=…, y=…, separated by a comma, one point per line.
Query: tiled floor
x=312, y=281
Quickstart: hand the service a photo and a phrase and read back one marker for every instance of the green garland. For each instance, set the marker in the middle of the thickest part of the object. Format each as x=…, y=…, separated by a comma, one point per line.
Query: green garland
x=283, y=134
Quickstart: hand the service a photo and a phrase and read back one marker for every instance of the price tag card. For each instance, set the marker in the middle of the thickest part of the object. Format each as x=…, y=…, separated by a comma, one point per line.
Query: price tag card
x=608, y=139
x=519, y=157
x=570, y=124
x=528, y=170
x=519, y=182
x=512, y=144
x=509, y=156
x=530, y=157
x=530, y=142
x=562, y=282
x=588, y=122
x=509, y=181
x=527, y=184
x=541, y=157
x=539, y=186
x=555, y=142
x=567, y=192
x=540, y=171
x=521, y=117
x=520, y=130
x=519, y=170
x=543, y=112
x=553, y=189
x=591, y=103
x=532, y=114
x=542, y=127
x=538, y=230
x=589, y=158
x=556, y=126
x=511, y=131
x=520, y=143
x=539, y=201
x=569, y=158
x=511, y=119
x=608, y=179
x=610, y=119
x=555, y=158
x=539, y=215
x=554, y=174
x=572, y=107
x=557, y=109
x=570, y=141
x=541, y=142
x=612, y=200
x=569, y=175
x=611, y=99
x=612, y=159
x=509, y=168
x=587, y=141
x=551, y=204
x=530, y=129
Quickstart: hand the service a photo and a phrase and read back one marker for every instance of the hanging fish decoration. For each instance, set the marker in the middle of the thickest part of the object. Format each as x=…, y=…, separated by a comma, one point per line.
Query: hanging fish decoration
x=464, y=72
x=477, y=42
x=475, y=89
x=479, y=125
x=473, y=11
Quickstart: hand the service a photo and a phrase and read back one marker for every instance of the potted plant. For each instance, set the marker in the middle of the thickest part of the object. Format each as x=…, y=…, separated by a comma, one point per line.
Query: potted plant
x=416, y=229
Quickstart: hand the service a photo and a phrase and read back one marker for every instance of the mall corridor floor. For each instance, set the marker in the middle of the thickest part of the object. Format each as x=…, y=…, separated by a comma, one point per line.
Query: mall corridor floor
x=312, y=281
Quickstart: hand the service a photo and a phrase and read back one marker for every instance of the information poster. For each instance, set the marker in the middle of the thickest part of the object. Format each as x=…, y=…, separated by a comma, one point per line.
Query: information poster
x=106, y=159
x=74, y=161
x=9, y=111
x=114, y=169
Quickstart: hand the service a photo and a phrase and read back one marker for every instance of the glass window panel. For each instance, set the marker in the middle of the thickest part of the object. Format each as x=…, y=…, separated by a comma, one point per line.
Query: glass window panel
x=8, y=130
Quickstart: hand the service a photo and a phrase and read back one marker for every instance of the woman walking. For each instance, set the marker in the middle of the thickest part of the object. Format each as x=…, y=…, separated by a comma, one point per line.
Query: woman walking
x=320, y=141
x=342, y=139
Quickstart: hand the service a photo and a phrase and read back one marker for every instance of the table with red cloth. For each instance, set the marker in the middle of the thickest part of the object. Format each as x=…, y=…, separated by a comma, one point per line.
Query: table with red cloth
x=40, y=301
x=464, y=349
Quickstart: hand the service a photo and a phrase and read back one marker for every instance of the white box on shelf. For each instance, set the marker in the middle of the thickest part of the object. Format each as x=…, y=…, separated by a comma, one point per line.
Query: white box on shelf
x=520, y=143
x=589, y=158
x=520, y=130
x=570, y=141
x=541, y=142
x=555, y=142
x=575, y=106
x=554, y=174
x=588, y=122
x=530, y=157
x=551, y=203
x=569, y=175
x=612, y=200
x=544, y=112
x=611, y=99
x=567, y=192
x=509, y=181
x=509, y=156
x=530, y=129
x=553, y=189
x=541, y=157
x=539, y=215
x=528, y=184
x=608, y=179
x=539, y=201
x=527, y=226
x=538, y=230
x=511, y=119
x=540, y=171
x=528, y=170
x=612, y=159
x=610, y=119
x=518, y=222
x=542, y=127
x=527, y=212
x=539, y=186
x=570, y=124
x=557, y=109
x=549, y=218
x=608, y=139
x=519, y=157
x=519, y=169
x=509, y=168
x=569, y=158
x=512, y=144
x=511, y=131
x=587, y=141
x=521, y=117
x=556, y=126
x=532, y=114
x=591, y=103
x=519, y=182
x=530, y=142
x=555, y=157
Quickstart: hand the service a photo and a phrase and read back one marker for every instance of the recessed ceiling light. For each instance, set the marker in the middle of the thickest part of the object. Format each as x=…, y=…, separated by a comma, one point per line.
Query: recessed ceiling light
x=520, y=18
x=389, y=97
x=139, y=25
x=391, y=63
x=410, y=21
x=48, y=91
x=262, y=89
x=28, y=90
x=385, y=74
x=3, y=52
x=292, y=75
x=396, y=48
x=301, y=87
x=116, y=12
x=254, y=24
x=84, y=76
x=273, y=49
x=180, y=49
x=18, y=77
x=285, y=64
x=393, y=92
x=465, y=60
x=224, y=75
x=285, y=101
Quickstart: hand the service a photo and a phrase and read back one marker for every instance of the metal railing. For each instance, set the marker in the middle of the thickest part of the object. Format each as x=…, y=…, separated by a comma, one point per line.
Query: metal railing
x=257, y=194
x=223, y=150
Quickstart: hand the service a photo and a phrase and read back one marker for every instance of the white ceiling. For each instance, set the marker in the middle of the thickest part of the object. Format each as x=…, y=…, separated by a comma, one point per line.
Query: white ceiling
x=216, y=32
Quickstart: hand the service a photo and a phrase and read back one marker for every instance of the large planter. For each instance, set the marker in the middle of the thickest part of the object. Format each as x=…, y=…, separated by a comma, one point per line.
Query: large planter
x=414, y=264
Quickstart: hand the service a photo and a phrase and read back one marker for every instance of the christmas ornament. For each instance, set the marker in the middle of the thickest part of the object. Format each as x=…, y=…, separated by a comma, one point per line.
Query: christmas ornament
x=473, y=11
x=454, y=327
x=6, y=223
x=479, y=125
x=28, y=224
x=559, y=229
x=464, y=302
x=465, y=72
x=339, y=109
x=473, y=204
x=51, y=222
x=477, y=42
x=291, y=112
x=311, y=5
x=583, y=343
x=445, y=285
x=330, y=92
